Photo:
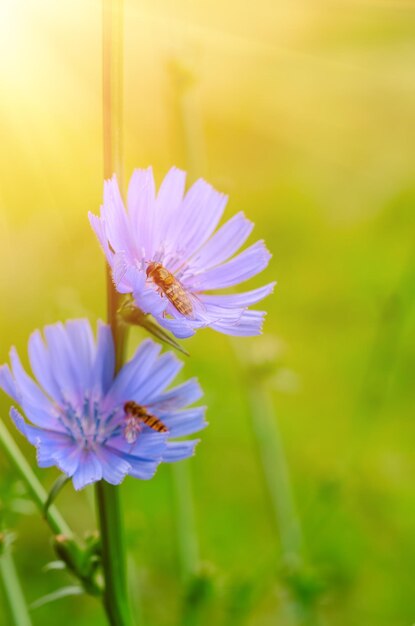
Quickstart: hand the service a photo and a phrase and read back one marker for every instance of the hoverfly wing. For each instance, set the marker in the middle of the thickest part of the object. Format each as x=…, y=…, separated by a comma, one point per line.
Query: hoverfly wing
x=132, y=429
x=198, y=308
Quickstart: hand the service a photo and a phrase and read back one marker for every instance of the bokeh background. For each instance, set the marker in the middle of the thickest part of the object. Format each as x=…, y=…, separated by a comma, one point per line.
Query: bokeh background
x=299, y=507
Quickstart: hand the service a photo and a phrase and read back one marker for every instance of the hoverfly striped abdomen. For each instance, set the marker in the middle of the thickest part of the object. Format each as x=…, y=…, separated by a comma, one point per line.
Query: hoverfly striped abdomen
x=137, y=415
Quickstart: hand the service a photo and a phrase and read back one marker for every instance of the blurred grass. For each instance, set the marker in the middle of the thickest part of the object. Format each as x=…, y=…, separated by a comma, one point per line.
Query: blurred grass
x=307, y=115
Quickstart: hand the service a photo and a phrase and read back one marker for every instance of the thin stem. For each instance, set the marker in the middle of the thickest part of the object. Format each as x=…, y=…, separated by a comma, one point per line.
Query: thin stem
x=185, y=520
x=277, y=475
x=108, y=496
x=35, y=489
x=302, y=609
x=13, y=590
x=113, y=554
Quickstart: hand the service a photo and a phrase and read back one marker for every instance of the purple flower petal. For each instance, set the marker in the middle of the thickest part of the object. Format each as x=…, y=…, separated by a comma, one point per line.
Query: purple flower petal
x=123, y=273
x=27, y=389
x=149, y=447
x=89, y=470
x=178, y=450
x=40, y=436
x=31, y=397
x=169, y=198
x=63, y=362
x=99, y=227
x=139, y=467
x=187, y=393
x=41, y=366
x=220, y=313
x=249, y=325
x=7, y=383
x=133, y=374
x=247, y=264
x=20, y=424
x=67, y=458
x=114, y=466
x=168, y=366
x=181, y=328
x=143, y=471
x=102, y=369
x=82, y=346
x=239, y=300
x=185, y=422
x=151, y=302
x=197, y=217
x=224, y=243
x=53, y=448
x=141, y=204
x=115, y=218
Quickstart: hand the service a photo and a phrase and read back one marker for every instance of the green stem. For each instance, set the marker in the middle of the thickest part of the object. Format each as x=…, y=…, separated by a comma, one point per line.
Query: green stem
x=302, y=609
x=33, y=486
x=14, y=594
x=277, y=475
x=108, y=496
x=113, y=554
x=185, y=520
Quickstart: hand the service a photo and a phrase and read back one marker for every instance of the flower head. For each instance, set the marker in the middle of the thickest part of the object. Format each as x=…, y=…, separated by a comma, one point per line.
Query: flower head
x=91, y=424
x=164, y=250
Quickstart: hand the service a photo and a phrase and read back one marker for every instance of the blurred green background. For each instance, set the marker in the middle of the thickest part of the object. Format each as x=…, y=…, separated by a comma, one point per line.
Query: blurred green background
x=303, y=111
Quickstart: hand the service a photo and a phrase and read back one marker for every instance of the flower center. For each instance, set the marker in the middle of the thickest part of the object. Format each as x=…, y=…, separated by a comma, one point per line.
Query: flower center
x=87, y=424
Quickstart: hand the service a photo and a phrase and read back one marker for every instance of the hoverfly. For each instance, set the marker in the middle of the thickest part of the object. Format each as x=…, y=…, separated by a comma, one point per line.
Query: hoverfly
x=137, y=415
x=171, y=287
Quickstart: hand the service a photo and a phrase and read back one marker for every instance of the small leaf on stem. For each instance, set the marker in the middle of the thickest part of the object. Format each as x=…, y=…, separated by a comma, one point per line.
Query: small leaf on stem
x=63, y=592
x=130, y=314
x=54, y=565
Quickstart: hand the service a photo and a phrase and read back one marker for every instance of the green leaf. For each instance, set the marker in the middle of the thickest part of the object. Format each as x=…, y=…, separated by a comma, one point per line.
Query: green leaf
x=132, y=315
x=54, y=565
x=63, y=592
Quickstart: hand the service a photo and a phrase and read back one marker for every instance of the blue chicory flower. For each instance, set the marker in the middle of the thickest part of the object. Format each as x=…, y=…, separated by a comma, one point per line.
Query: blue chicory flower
x=77, y=409
x=165, y=252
